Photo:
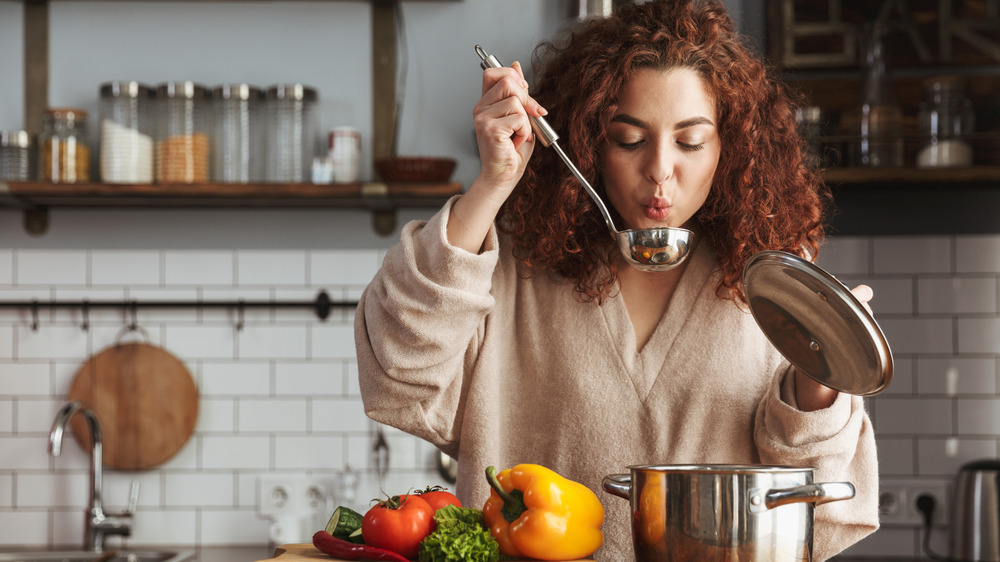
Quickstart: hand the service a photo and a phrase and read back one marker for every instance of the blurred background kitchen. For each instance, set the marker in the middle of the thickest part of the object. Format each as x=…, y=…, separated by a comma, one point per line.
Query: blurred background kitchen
x=280, y=437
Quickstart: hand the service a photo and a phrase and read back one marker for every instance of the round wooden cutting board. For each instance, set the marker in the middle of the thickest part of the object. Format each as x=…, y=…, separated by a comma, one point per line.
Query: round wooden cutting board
x=146, y=400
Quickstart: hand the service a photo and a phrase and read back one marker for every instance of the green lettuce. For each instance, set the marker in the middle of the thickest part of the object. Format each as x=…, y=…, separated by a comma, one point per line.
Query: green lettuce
x=460, y=536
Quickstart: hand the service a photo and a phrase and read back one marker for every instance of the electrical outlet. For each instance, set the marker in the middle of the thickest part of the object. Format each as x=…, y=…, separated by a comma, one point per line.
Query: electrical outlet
x=313, y=494
x=275, y=495
x=898, y=502
x=292, y=495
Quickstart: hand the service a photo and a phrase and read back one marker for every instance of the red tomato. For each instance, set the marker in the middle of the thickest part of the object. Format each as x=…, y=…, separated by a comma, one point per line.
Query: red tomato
x=398, y=524
x=439, y=497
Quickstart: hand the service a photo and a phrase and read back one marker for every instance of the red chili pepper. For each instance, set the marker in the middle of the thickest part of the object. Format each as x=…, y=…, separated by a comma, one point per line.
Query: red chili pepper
x=347, y=550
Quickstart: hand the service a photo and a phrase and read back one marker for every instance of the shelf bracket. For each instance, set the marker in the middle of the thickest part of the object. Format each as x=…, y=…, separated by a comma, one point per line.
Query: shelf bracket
x=376, y=195
x=36, y=221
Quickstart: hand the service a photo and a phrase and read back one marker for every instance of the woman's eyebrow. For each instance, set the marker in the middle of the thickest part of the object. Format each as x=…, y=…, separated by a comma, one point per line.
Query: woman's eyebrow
x=692, y=122
x=629, y=120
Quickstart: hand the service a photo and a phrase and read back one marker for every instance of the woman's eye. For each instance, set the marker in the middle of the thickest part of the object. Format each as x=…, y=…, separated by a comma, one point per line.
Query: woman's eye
x=691, y=146
x=628, y=145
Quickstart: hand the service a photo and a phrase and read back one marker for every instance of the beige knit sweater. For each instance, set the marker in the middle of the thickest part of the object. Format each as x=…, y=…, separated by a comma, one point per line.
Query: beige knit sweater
x=496, y=369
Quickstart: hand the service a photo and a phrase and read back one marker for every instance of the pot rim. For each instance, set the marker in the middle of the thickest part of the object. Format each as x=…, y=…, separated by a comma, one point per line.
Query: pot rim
x=722, y=468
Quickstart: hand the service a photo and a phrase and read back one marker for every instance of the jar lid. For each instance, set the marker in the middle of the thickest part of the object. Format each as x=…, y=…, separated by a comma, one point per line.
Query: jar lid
x=67, y=113
x=18, y=139
x=817, y=323
x=125, y=89
x=183, y=89
x=237, y=92
x=296, y=92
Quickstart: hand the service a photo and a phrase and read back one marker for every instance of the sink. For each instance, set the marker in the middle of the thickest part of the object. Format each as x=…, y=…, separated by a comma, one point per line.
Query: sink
x=109, y=555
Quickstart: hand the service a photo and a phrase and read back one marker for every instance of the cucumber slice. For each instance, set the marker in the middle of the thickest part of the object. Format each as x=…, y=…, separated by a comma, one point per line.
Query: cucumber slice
x=343, y=522
x=356, y=537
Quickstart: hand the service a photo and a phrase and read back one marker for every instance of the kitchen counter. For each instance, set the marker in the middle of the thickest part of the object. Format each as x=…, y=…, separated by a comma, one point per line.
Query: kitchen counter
x=233, y=553
x=263, y=552
x=306, y=551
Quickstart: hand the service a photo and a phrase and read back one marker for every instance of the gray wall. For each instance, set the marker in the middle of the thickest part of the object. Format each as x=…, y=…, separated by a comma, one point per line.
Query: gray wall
x=323, y=44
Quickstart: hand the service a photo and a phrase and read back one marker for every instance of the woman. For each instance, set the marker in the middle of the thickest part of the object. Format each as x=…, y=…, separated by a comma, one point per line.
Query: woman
x=508, y=329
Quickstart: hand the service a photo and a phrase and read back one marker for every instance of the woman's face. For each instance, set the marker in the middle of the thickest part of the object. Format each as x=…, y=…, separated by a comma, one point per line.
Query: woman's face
x=662, y=149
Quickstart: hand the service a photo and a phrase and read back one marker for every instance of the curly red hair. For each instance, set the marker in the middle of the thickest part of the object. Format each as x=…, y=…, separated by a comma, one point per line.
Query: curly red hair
x=763, y=196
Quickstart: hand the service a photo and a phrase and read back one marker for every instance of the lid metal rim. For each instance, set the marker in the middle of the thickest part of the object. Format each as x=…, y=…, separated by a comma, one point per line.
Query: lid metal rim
x=15, y=139
x=243, y=92
x=721, y=468
x=881, y=344
x=125, y=89
x=294, y=92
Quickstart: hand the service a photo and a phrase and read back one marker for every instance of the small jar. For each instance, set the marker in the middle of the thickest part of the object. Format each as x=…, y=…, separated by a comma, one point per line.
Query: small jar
x=291, y=136
x=126, y=132
x=945, y=120
x=64, y=152
x=15, y=155
x=345, y=154
x=182, y=133
x=237, y=150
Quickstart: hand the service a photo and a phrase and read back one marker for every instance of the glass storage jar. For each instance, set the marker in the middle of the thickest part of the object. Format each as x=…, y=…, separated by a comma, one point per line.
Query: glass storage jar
x=182, y=133
x=291, y=136
x=126, y=132
x=237, y=150
x=879, y=133
x=345, y=154
x=63, y=148
x=945, y=120
x=15, y=155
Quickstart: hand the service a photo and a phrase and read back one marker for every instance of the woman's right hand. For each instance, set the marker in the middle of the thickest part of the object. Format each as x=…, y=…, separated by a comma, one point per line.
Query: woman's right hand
x=503, y=127
x=506, y=140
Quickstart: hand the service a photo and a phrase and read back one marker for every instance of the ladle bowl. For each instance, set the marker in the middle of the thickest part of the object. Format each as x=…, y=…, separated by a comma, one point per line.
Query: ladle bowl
x=654, y=249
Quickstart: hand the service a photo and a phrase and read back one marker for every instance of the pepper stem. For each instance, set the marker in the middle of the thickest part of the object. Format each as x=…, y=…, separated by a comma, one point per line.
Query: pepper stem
x=513, y=501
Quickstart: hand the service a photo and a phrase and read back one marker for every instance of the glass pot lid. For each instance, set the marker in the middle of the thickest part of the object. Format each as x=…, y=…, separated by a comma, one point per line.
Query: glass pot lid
x=817, y=324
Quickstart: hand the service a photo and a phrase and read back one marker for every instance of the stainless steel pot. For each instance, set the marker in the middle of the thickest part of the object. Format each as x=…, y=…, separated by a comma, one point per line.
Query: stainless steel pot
x=723, y=512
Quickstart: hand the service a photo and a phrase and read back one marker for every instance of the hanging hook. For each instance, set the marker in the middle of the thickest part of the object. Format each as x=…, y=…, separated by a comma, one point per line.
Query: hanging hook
x=239, y=315
x=133, y=324
x=85, y=311
x=34, y=315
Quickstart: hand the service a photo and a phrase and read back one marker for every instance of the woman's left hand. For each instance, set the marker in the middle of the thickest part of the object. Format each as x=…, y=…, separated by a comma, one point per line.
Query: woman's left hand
x=811, y=395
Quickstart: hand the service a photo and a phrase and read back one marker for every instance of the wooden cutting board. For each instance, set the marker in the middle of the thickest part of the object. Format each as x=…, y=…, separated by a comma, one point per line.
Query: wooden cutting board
x=306, y=551
x=146, y=400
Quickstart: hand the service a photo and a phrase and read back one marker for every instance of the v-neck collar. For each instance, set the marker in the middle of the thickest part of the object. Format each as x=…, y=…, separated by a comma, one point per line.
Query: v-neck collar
x=643, y=366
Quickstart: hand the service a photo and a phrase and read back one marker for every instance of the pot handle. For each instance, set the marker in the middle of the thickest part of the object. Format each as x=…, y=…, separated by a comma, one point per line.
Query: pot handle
x=762, y=500
x=619, y=485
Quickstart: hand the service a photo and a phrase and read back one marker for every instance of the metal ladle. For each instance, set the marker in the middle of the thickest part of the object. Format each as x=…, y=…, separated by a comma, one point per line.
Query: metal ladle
x=649, y=249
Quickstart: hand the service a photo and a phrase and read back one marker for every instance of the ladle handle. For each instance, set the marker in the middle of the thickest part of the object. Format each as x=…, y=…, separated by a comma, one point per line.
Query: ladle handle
x=548, y=137
x=546, y=134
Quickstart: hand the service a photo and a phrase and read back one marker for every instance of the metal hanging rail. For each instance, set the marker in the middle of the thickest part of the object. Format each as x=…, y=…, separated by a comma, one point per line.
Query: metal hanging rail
x=322, y=306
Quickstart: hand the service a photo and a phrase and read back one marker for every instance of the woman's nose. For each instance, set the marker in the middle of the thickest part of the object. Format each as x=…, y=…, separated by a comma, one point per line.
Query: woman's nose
x=660, y=166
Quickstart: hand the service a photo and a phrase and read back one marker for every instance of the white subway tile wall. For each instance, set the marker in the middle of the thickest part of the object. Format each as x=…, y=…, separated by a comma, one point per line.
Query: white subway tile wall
x=278, y=389
x=280, y=396
x=936, y=298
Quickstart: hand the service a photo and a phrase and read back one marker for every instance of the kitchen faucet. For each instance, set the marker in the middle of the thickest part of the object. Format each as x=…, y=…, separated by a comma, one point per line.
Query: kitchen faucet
x=98, y=524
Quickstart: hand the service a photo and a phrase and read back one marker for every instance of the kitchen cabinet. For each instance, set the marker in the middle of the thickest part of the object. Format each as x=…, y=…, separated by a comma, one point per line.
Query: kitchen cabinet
x=382, y=199
x=815, y=45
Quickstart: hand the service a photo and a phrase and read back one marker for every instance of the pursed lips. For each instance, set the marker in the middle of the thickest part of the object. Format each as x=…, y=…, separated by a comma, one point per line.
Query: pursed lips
x=656, y=208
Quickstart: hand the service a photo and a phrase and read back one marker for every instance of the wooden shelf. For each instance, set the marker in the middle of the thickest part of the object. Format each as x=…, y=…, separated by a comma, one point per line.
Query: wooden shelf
x=975, y=174
x=915, y=201
x=383, y=199
x=33, y=194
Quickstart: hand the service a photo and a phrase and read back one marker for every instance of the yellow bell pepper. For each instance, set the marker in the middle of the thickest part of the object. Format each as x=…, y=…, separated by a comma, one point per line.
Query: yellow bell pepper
x=533, y=511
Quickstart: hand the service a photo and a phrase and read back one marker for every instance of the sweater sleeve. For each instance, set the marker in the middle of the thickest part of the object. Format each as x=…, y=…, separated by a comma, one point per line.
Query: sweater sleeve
x=416, y=329
x=839, y=443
